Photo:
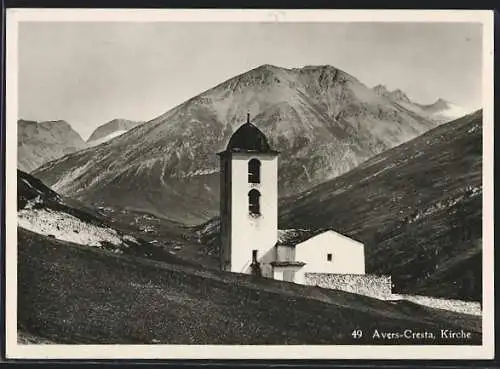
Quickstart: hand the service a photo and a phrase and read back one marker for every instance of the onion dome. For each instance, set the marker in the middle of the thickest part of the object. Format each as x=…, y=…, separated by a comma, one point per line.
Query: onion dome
x=248, y=138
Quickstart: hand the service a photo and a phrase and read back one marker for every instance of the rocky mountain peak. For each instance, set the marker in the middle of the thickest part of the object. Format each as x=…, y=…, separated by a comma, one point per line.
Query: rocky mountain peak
x=325, y=73
x=380, y=89
x=46, y=124
x=60, y=125
x=400, y=95
x=41, y=142
x=396, y=95
x=274, y=76
x=441, y=103
x=57, y=122
x=264, y=75
x=268, y=67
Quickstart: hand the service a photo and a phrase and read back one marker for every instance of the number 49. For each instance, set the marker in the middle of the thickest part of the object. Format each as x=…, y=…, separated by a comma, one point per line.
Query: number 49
x=357, y=333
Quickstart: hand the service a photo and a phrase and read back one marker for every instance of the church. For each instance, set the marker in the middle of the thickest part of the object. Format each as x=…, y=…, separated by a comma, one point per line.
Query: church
x=251, y=242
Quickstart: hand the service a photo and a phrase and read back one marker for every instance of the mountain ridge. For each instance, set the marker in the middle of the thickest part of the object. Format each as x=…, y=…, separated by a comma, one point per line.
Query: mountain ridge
x=42, y=142
x=441, y=111
x=323, y=120
x=396, y=94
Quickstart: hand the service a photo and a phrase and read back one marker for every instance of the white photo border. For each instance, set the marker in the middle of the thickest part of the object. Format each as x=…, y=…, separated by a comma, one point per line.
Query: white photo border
x=55, y=351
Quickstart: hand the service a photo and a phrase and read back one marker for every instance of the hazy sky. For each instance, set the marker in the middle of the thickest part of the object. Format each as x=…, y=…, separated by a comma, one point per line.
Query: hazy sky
x=90, y=73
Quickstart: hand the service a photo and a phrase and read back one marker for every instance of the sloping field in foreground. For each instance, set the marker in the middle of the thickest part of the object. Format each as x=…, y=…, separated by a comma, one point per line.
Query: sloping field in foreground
x=79, y=295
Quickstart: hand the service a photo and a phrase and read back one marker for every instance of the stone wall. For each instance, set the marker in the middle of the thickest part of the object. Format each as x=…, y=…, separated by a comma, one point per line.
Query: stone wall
x=376, y=286
x=380, y=287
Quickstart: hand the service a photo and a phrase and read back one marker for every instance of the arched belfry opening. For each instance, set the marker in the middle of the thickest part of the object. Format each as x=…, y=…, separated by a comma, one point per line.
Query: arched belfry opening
x=254, y=171
x=254, y=202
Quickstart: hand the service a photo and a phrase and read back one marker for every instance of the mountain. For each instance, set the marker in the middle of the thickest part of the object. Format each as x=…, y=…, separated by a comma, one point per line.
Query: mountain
x=38, y=143
x=441, y=111
x=444, y=111
x=110, y=130
x=322, y=120
x=417, y=208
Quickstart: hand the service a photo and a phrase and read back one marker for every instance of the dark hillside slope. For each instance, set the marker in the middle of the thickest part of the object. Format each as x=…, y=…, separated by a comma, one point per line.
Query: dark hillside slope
x=76, y=294
x=417, y=208
x=44, y=211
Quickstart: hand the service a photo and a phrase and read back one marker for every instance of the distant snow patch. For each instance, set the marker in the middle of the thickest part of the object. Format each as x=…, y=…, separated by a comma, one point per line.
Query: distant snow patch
x=130, y=239
x=31, y=203
x=453, y=111
x=201, y=172
x=449, y=113
x=107, y=138
x=66, y=227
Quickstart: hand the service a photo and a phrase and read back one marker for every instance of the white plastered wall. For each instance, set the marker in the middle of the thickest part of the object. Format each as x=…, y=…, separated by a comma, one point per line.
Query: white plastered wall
x=347, y=255
x=249, y=232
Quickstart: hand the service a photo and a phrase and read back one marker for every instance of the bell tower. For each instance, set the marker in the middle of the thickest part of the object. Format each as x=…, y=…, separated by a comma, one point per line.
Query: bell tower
x=248, y=202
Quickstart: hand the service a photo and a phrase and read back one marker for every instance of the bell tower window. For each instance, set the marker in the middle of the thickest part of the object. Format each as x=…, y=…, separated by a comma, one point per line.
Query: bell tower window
x=254, y=202
x=254, y=171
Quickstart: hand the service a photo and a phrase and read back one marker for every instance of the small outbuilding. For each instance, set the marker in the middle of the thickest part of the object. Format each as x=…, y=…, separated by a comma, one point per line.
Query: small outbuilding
x=300, y=251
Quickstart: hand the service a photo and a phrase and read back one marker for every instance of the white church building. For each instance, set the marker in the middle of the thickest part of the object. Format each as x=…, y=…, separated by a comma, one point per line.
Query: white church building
x=250, y=240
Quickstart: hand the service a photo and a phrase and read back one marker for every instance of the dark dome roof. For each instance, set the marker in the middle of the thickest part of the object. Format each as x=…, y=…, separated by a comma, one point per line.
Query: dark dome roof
x=248, y=138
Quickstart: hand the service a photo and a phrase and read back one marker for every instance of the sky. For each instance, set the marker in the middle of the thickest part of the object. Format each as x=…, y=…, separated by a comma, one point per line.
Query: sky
x=89, y=73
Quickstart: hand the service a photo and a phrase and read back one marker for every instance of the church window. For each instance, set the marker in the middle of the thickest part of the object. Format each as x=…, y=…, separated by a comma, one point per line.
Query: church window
x=254, y=171
x=254, y=202
x=329, y=257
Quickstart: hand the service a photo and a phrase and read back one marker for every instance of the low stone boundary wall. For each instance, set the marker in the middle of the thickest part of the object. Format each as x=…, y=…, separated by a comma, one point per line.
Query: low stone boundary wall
x=377, y=286
x=380, y=287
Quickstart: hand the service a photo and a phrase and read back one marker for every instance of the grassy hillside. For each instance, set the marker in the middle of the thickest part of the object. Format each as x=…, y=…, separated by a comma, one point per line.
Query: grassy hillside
x=417, y=208
x=44, y=211
x=69, y=293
